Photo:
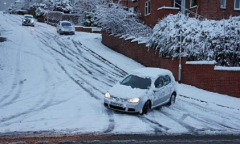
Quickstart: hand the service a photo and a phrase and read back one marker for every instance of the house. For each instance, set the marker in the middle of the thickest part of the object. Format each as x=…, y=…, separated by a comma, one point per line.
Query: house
x=131, y=5
x=154, y=10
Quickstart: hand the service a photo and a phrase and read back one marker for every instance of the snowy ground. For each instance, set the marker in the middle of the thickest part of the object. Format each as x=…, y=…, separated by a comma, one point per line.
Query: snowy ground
x=57, y=83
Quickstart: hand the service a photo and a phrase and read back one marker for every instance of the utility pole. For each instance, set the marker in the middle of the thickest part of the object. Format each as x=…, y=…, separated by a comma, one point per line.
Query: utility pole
x=180, y=60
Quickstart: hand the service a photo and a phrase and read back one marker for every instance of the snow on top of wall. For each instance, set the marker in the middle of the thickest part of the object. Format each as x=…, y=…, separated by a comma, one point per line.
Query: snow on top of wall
x=118, y=35
x=130, y=37
x=96, y=29
x=124, y=36
x=200, y=62
x=141, y=40
x=221, y=68
x=164, y=7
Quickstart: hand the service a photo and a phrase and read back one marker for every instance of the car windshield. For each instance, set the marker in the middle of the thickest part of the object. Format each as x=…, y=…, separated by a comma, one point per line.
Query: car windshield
x=28, y=17
x=66, y=24
x=137, y=82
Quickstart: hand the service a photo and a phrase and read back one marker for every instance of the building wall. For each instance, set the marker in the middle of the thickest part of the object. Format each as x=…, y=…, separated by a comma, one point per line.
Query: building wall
x=127, y=3
x=155, y=14
x=211, y=9
x=201, y=76
x=206, y=8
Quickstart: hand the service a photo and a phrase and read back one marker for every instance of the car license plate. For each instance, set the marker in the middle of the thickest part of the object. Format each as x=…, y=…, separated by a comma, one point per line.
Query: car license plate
x=116, y=104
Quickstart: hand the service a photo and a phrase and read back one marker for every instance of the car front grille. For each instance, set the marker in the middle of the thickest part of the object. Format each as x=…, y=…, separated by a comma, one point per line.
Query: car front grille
x=117, y=107
x=119, y=99
x=131, y=109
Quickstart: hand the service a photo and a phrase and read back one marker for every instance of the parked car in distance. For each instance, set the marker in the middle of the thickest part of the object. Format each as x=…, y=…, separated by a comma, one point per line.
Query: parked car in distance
x=28, y=20
x=142, y=90
x=65, y=27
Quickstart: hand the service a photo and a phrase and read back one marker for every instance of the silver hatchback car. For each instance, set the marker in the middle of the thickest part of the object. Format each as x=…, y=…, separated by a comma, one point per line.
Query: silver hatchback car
x=28, y=20
x=65, y=27
x=142, y=90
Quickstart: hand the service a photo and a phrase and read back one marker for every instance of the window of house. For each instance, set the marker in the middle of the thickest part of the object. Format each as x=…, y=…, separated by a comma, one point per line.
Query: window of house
x=237, y=5
x=223, y=4
x=147, y=7
x=193, y=3
x=131, y=10
x=177, y=3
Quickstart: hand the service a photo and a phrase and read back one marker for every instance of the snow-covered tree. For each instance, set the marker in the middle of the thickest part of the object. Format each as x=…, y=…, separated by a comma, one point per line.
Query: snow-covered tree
x=119, y=21
x=86, y=9
x=63, y=6
x=202, y=40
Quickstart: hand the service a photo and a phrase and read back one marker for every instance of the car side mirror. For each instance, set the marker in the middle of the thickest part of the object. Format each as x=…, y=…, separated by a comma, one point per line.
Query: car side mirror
x=155, y=90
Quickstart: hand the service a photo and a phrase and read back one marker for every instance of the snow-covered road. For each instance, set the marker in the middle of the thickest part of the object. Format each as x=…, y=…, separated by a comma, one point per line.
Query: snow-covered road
x=57, y=83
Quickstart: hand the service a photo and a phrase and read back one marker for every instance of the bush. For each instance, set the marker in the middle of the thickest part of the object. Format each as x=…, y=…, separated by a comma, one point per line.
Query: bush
x=203, y=40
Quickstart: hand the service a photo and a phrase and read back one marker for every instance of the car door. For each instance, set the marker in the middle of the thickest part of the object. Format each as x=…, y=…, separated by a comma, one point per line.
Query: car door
x=159, y=91
x=167, y=87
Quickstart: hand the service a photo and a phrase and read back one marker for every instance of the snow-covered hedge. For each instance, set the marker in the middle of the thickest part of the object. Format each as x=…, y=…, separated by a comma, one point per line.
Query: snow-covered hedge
x=53, y=17
x=202, y=40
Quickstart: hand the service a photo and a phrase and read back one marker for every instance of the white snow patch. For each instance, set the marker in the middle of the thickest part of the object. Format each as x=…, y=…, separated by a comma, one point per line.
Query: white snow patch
x=221, y=68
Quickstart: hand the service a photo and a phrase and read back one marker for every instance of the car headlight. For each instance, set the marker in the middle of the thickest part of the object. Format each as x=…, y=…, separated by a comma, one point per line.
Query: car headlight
x=23, y=20
x=134, y=100
x=107, y=95
x=32, y=21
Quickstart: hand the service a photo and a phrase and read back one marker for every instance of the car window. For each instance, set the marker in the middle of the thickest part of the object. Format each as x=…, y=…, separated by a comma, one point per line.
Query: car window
x=137, y=82
x=166, y=80
x=159, y=82
x=66, y=24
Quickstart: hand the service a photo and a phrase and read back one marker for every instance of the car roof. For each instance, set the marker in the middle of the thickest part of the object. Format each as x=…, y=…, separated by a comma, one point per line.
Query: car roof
x=65, y=21
x=28, y=15
x=151, y=72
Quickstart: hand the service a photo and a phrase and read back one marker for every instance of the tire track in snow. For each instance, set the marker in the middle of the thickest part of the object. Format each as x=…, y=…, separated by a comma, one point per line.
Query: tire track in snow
x=211, y=111
x=158, y=128
x=88, y=64
x=207, y=120
x=76, y=55
x=191, y=129
x=111, y=125
x=16, y=80
x=122, y=72
x=111, y=120
x=39, y=104
x=79, y=64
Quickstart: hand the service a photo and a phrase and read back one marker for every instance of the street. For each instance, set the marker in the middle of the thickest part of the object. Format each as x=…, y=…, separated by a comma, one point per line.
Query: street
x=54, y=85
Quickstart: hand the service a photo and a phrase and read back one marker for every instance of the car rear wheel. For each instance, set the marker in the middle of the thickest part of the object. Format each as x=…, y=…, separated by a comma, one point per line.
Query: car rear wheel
x=172, y=99
x=146, y=108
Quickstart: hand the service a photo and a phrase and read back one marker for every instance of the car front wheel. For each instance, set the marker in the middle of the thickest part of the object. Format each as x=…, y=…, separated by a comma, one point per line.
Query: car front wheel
x=146, y=108
x=172, y=99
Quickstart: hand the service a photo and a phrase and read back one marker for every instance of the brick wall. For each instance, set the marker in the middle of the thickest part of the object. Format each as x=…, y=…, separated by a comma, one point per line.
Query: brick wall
x=207, y=8
x=211, y=9
x=201, y=76
x=155, y=14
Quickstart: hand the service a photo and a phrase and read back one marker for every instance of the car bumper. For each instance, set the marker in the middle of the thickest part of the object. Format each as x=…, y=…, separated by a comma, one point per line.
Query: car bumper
x=67, y=32
x=123, y=106
x=28, y=24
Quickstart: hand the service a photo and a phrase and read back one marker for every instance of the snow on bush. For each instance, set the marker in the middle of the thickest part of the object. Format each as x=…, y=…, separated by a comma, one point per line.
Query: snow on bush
x=53, y=17
x=63, y=6
x=85, y=9
x=202, y=40
x=119, y=21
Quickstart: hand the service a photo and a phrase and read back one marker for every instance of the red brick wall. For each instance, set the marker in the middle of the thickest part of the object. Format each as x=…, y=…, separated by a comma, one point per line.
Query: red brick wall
x=155, y=15
x=211, y=9
x=202, y=76
x=86, y=29
x=207, y=8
